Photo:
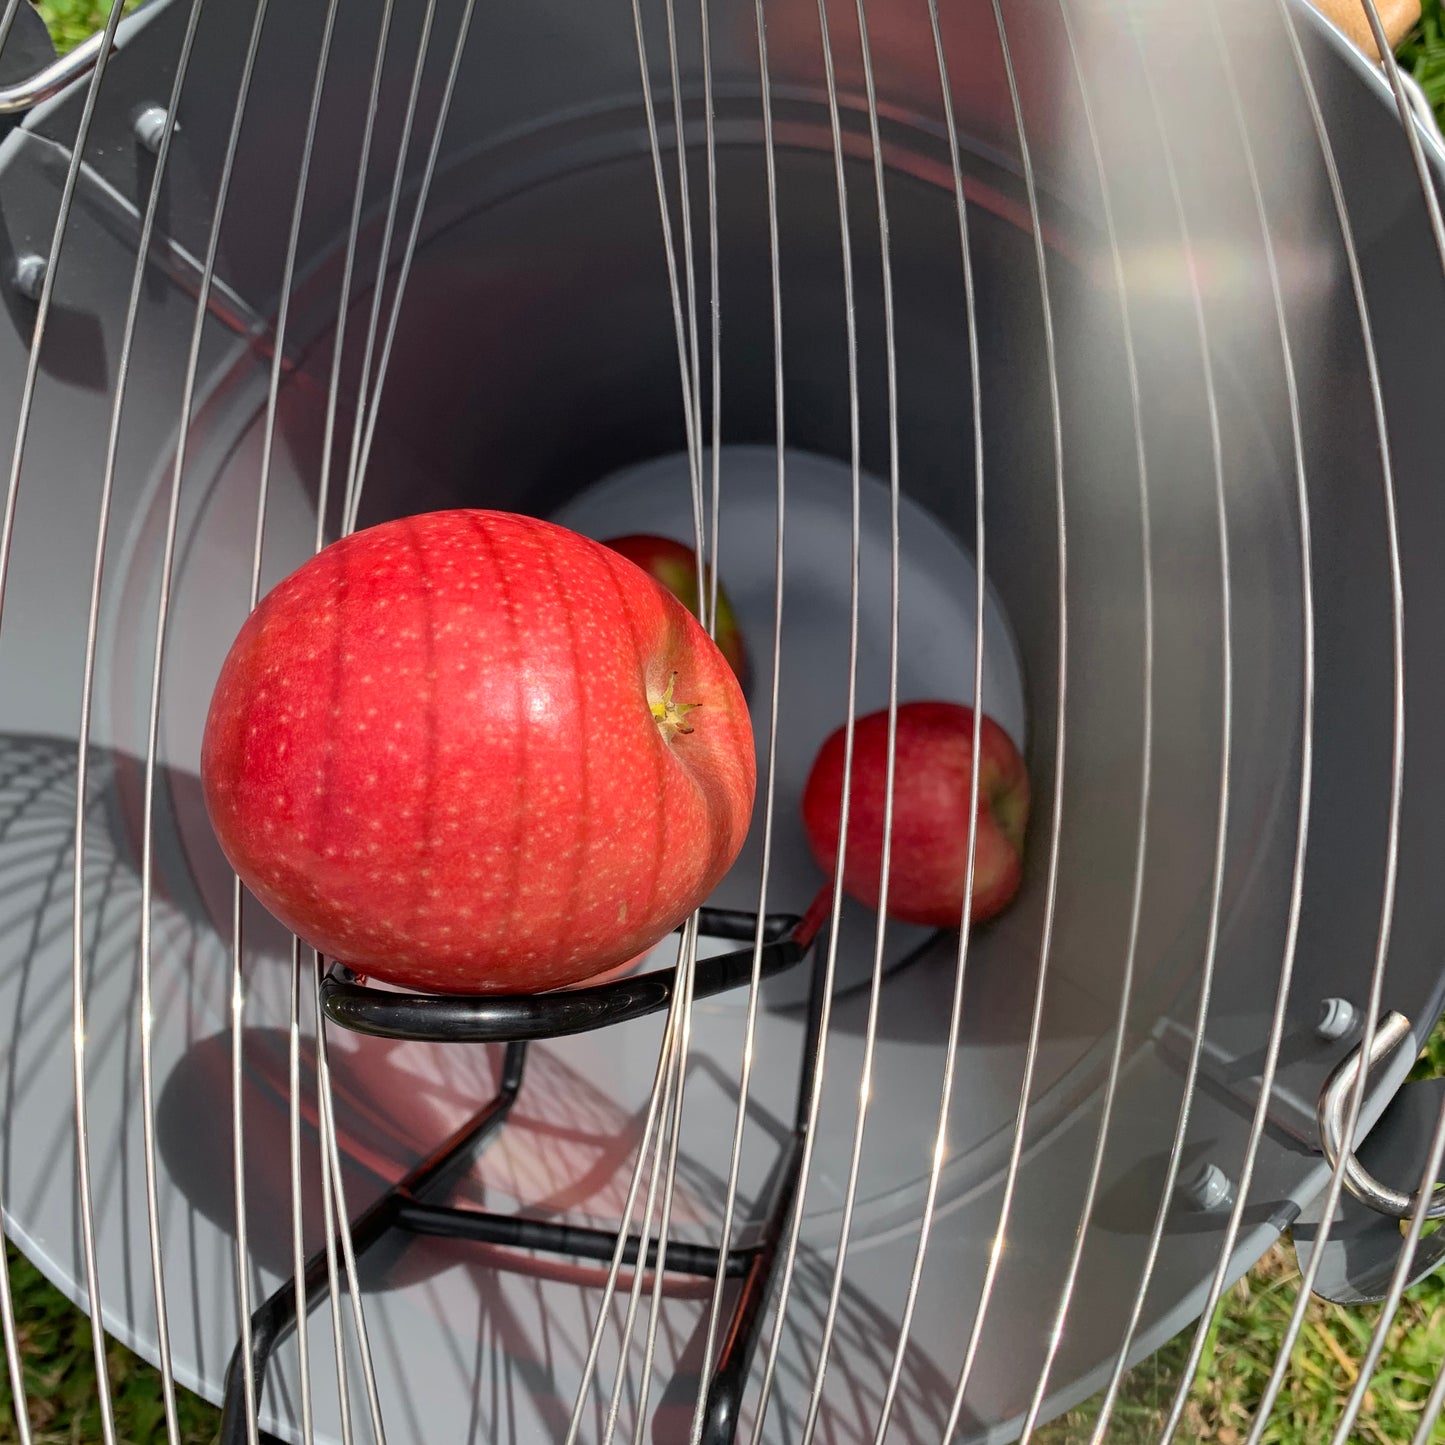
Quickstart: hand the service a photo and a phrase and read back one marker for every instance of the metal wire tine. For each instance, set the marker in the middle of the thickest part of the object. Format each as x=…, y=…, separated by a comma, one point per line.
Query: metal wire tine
x=1425, y=1430
x=649, y=1126
x=655, y=1168
x=77, y=978
x=1216, y=893
x=955, y=1015
x=1397, y=743
x=263, y=494
x=694, y=444
x=770, y=783
x=353, y=232
x=870, y=1036
x=329, y=1227
x=687, y=973
x=331, y=1162
x=237, y=1003
x=1051, y=886
x=830, y=963
x=19, y=1400
x=1146, y=753
x=1408, y=123
x=107, y=491
x=644, y=1233
x=238, y=1165
x=12, y=490
x=689, y=399
x=352, y=501
x=1396, y=1291
x=298, y=1240
x=409, y=251
x=288, y=276
x=1307, y=705
x=715, y=293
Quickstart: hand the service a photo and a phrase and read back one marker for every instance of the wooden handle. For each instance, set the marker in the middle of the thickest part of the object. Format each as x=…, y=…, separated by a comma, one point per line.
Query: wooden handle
x=1397, y=16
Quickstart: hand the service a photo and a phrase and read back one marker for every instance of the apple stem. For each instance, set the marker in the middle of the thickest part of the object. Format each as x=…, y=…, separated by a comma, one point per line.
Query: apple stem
x=670, y=715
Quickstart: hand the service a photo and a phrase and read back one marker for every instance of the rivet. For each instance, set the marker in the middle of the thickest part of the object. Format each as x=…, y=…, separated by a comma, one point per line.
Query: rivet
x=29, y=276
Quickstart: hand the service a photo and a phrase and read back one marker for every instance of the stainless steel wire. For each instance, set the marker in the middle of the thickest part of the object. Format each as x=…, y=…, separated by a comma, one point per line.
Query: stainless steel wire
x=1408, y=124
x=875, y=988
x=107, y=492
x=322, y=502
x=348, y=268
x=383, y=262
x=85, y=1200
x=965, y=934
x=1216, y=887
x=676, y=1037
x=298, y=1235
x=1051, y=885
x=237, y=992
x=650, y=1121
x=19, y=1397
x=331, y=1164
x=795, y=1220
x=293, y=1028
x=1425, y=1430
x=1431, y=1173
x=669, y=1060
x=689, y=282
x=1391, y=1304
x=1146, y=748
x=1275, y=1037
x=1397, y=744
x=770, y=766
x=686, y=980
x=403, y=274
x=363, y=432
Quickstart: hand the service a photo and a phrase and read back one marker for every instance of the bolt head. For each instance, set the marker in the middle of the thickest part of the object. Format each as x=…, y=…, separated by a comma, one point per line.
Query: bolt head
x=29, y=276
x=1208, y=1188
x=1338, y=1017
x=150, y=127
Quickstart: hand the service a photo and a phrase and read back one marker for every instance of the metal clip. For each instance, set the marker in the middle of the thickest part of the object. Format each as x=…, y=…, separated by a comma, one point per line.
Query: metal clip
x=1392, y=1031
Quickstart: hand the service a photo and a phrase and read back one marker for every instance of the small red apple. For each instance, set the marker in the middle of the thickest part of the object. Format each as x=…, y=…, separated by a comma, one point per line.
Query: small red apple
x=932, y=775
x=675, y=566
x=474, y=752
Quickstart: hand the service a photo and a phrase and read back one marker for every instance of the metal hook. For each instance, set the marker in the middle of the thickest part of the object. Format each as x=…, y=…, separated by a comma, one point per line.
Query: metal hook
x=1392, y=1031
x=53, y=78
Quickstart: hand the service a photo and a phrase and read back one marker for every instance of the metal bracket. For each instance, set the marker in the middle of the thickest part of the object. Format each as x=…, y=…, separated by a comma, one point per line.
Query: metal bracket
x=1393, y=1030
x=1359, y=1258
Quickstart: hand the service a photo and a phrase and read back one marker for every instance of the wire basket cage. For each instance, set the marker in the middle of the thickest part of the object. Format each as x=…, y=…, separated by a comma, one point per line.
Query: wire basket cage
x=1077, y=359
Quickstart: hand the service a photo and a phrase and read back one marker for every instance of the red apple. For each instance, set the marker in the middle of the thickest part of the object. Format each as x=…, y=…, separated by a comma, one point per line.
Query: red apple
x=474, y=752
x=932, y=776
x=675, y=566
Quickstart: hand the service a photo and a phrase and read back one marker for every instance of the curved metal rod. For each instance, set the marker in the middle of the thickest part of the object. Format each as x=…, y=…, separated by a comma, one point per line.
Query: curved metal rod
x=1392, y=1031
x=45, y=84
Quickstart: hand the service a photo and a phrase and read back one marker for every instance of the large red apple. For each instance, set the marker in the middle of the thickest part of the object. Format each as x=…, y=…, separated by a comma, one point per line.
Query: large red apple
x=932, y=775
x=675, y=566
x=474, y=752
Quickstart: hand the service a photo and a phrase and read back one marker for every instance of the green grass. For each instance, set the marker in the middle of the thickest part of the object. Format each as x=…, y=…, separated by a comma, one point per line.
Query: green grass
x=1423, y=53
x=1244, y=1335
x=71, y=21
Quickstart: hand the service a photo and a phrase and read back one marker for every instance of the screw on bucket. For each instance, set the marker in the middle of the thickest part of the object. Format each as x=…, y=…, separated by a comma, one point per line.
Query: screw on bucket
x=150, y=127
x=1208, y=1188
x=29, y=276
x=1338, y=1017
